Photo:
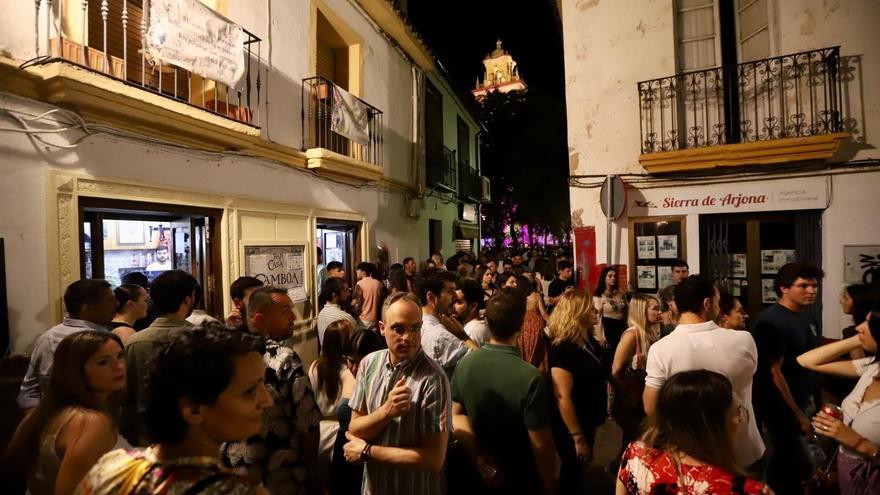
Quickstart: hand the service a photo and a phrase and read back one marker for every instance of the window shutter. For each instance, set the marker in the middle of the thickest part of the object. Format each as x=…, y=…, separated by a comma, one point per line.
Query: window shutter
x=326, y=61
x=697, y=35
x=752, y=30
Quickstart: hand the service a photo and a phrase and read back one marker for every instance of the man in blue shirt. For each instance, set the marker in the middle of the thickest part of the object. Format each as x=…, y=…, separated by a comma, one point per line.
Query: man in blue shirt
x=90, y=305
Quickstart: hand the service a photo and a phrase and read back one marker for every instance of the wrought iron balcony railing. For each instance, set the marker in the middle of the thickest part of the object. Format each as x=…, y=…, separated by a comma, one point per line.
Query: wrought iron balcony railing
x=442, y=169
x=110, y=37
x=793, y=95
x=319, y=109
x=469, y=185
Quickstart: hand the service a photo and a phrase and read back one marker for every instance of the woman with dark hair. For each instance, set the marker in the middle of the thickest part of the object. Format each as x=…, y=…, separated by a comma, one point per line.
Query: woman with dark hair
x=333, y=383
x=857, y=300
x=205, y=387
x=532, y=341
x=487, y=280
x=134, y=302
x=611, y=303
x=397, y=281
x=731, y=313
x=688, y=446
x=75, y=422
x=858, y=432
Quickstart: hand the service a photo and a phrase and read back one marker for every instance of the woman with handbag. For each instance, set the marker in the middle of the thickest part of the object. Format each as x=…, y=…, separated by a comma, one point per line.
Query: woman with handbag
x=628, y=369
x=688, y=446
x=858, y=432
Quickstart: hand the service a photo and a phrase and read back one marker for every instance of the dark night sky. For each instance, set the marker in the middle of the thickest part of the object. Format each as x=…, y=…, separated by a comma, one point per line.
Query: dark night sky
x=461, y=33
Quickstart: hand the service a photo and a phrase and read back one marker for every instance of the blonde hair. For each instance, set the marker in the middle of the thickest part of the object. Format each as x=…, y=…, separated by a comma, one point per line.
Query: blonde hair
x=638, y=318
x=565, y=320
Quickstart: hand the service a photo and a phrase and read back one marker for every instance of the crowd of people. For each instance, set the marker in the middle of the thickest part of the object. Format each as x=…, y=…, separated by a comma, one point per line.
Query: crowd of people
x=473, y=374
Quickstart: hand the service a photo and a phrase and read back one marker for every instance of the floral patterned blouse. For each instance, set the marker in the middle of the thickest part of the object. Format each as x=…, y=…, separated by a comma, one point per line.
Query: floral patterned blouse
x=140, y=472
x=648, y=471
x=274, y=455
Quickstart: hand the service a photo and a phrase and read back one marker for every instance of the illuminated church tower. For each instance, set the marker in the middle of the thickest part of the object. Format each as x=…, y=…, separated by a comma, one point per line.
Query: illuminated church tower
x=501, y=74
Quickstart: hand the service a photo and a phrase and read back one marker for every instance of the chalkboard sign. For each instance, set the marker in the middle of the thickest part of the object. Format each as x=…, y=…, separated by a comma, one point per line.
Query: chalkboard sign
x=279, y=266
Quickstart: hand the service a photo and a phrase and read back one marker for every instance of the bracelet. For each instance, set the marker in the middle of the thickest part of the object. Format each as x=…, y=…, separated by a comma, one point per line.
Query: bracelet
x=575, y=433
x=856, y=446
x=365, y=454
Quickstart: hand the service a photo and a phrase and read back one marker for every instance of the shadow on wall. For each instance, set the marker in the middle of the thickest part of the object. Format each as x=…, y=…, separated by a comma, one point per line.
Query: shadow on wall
x=852, y=103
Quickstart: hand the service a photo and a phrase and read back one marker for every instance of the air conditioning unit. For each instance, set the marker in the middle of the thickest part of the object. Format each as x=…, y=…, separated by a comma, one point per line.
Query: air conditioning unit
x=485, y=190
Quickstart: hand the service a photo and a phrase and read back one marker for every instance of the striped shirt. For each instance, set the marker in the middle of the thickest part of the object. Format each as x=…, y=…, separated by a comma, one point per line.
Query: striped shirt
x=431, y=413
x=440, y=345
x=331, y=313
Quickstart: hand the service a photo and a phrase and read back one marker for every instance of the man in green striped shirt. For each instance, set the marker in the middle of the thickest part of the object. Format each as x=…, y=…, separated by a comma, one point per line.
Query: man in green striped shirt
x=401, y=412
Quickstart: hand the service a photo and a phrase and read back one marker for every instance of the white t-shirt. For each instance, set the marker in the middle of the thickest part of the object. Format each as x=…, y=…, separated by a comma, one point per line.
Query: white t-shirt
x=731, y=353
x=863, y=417
x=478, y=330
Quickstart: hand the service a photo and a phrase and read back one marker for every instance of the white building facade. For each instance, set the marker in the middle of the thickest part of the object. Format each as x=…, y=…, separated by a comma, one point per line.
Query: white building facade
x=744, y=131
x=109, y=153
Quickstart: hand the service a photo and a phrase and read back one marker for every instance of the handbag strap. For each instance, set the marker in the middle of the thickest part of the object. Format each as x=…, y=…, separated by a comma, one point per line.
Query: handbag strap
x=678, y=471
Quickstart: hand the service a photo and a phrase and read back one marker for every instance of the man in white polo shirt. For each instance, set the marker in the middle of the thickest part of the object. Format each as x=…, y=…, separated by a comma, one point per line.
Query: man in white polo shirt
x=698, y=343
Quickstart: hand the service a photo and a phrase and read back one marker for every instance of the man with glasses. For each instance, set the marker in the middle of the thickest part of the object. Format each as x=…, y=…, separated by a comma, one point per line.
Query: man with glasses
x=401, y=413
x=698, y=343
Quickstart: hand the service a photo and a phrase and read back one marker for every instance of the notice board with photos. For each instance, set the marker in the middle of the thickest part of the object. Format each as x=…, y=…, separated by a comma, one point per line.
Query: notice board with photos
x=654, y=245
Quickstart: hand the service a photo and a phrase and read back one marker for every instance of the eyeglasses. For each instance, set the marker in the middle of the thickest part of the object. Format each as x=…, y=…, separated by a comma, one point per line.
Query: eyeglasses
x=401, y=329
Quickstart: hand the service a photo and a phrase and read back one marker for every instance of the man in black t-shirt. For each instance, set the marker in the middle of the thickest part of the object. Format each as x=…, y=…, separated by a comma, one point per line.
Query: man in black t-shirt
x=784, y=390
x=562, y=284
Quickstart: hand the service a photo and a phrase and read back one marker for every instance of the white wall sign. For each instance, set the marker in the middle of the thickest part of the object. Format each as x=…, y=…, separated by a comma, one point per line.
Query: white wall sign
x=759, y=195
x=861, y=264
x=278, y=266
x=190, y=35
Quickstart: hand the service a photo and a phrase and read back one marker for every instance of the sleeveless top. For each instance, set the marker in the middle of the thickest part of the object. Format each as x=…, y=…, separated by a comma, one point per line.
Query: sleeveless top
x=42, y=480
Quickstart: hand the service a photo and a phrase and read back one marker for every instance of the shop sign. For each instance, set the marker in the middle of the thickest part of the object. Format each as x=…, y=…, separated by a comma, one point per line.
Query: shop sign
x=188, y=34
x=731, y=197
x=279, y=266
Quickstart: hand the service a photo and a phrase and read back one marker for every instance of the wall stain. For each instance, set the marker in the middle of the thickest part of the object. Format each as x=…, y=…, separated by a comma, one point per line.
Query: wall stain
x=577, y=218
x=642, y=28
x=809, y=25
x=583, y=5
x=574, y=159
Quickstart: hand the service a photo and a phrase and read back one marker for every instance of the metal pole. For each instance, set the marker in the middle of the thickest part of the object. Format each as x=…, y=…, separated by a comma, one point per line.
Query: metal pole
x=609, y=181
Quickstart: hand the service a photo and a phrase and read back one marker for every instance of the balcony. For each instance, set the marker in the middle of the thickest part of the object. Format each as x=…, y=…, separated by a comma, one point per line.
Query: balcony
x=469, y=186
x=109, y=38
x=442, y=169
x=342, y=134
x=780, y=109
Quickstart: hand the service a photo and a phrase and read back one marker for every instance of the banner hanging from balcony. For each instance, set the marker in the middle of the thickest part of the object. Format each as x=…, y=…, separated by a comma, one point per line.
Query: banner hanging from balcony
x=191, y=36
x=350, y=117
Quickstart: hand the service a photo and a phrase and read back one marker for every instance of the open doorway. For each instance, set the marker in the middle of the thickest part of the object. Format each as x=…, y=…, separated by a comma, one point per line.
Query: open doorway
x=339, y=240
x=121, y=237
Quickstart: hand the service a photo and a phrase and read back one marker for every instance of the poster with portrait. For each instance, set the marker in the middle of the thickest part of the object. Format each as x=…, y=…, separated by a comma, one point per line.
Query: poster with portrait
x=647, y=276
x=667, y=246
x=646, y=247
x=768, y=294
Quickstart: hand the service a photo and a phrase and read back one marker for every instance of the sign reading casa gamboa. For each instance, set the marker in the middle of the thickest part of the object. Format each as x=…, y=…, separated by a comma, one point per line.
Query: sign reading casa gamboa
x=278, y=266
x=731, y=197
x=191, y=36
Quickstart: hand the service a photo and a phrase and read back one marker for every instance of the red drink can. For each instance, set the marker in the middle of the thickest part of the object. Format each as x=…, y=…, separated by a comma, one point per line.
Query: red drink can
x=833, y=410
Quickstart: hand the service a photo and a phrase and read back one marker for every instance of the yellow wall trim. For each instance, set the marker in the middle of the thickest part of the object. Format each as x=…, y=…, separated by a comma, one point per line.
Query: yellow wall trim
x=390, y=21
x=741, y=154
x=104, y=100
x=328, y=162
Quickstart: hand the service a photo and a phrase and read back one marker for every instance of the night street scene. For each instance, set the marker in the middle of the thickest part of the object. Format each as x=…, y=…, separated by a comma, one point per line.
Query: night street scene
x=413, y=247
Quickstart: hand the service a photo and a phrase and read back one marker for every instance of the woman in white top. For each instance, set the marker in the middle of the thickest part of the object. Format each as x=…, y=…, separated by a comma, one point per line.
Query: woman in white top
x=611, y=303
x=333, y=383
x=859, y=431
x=74, y=424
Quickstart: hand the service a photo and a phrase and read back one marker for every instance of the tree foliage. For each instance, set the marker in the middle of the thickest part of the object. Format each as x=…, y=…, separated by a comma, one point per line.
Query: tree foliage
x=524, y=154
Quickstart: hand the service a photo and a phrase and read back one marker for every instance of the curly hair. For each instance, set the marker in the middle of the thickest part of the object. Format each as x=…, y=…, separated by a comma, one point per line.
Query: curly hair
x=197, y=364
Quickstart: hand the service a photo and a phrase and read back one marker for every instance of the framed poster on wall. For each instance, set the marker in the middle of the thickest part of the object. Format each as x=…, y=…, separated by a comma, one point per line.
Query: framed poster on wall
x=654, y=244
